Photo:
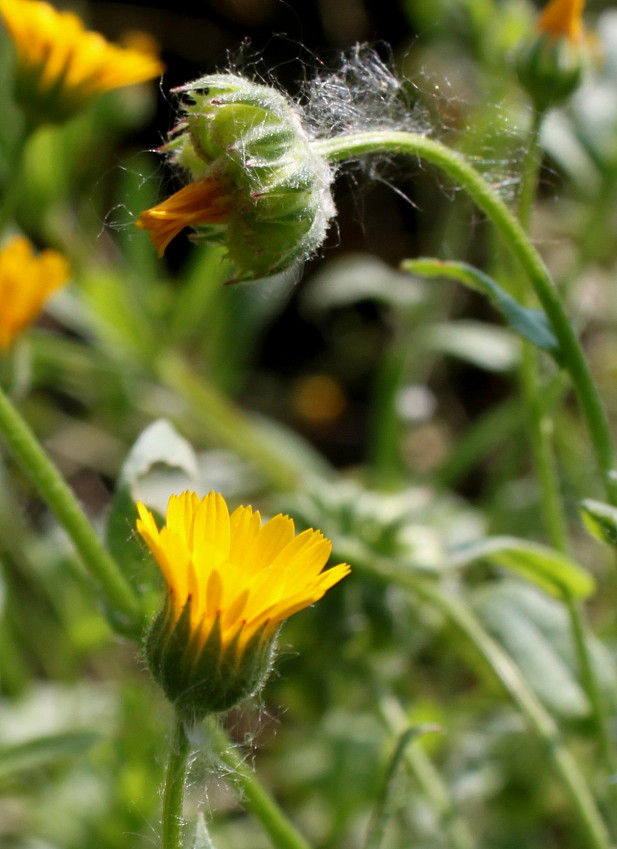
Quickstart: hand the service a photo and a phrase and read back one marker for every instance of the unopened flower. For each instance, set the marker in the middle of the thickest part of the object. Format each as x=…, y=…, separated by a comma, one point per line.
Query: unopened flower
x=550, y=66
x=61, y=65
x=563, y=19
x=231, y=581
x=256, y=185
x=26, y=282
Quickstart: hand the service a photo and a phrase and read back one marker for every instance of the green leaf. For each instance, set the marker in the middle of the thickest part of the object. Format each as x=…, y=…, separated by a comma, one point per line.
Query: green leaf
x=42, y=751
x=600, y=519
x=383, y=803
x=550, y=570
x=160, y=462
x=536, y=632
x=529, y=323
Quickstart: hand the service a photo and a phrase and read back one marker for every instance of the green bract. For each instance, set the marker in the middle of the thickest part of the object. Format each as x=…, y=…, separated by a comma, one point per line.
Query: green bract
x=210, y=678
x=250, y=138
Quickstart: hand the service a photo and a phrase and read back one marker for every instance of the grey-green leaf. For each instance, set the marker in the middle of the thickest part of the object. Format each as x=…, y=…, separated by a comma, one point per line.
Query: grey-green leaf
x=550, y=570
x=42, y=751
x=531, y=324
x=600, y=519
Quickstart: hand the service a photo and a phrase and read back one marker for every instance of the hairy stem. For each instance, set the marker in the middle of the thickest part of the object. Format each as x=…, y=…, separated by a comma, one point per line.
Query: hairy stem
x=457, y=167
x=172, y=823
x=253, y=795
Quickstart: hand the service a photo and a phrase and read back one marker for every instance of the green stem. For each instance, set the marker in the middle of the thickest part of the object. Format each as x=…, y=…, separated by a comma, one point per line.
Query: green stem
x=541, y=428
x=227, y=424
x=540, y=424
x=63, y=504
x=428, y=778
x=172, y=825
x=12, y=187
x=591, y=684
x=457, y=167
x=508, y=673
x=252, y=793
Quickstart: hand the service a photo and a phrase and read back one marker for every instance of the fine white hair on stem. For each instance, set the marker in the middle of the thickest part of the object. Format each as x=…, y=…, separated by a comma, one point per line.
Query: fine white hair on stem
x=361, y=94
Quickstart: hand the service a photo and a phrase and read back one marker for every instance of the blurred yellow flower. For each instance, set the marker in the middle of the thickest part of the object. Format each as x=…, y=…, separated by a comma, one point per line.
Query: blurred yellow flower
x=563, y=19
x=231, y=581
x=26, y=281
x=61, y=65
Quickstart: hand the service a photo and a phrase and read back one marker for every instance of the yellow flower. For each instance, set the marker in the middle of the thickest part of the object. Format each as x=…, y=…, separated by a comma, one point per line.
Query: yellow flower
x=26, y=281
x=230, y=583
x=203, y=202
x=563, y=19
x=61, y=65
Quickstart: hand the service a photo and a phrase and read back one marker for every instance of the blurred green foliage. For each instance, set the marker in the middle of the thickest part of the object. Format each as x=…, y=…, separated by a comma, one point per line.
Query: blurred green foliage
x=147, y=377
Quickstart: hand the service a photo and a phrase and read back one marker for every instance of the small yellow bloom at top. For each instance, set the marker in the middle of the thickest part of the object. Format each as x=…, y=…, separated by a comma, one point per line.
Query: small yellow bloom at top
x=26, y=282
x=550, y=63
x=563, y=19
x=61, y=65
x=231, y=581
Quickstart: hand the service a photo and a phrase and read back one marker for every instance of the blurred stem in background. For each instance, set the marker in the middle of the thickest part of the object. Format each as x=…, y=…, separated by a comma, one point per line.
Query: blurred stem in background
x=503, y=667
x=541, y=430
x=122, y=607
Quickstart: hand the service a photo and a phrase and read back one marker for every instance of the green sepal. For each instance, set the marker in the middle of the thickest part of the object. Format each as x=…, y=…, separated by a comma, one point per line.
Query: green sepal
x=250, y=138
x=211, y=678
x=550, y=70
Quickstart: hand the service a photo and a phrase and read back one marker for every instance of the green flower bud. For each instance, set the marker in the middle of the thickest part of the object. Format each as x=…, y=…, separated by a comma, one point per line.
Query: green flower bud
x=257, y=188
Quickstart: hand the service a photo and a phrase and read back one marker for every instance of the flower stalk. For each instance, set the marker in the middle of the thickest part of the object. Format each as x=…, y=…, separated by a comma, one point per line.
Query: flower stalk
x=255, y=798
x=506, y=223
x=123, y=607
x=173, y=823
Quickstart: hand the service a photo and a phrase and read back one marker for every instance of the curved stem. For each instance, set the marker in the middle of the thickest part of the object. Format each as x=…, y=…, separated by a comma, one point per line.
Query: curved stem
x=541, y=428
x=172, y=824
x=457, y=167
x=252, y=793
x=51, y=486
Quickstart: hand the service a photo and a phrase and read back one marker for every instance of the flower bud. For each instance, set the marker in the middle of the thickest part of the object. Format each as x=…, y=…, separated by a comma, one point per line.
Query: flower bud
x=550, y=67
x=230, y=584
x=257, y=188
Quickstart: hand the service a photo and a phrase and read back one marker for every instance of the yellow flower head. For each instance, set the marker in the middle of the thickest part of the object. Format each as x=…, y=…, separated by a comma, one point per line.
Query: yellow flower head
x=61, y=65
x=26, y=281
x=231, y=581
x=563, y=19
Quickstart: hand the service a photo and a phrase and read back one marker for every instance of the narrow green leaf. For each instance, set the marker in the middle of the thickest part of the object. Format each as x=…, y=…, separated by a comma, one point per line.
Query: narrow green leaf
x=42, y=751
x=600, y=519
x=550, y=570
x=159, y=463
x=531, y=324
x=383, y=803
